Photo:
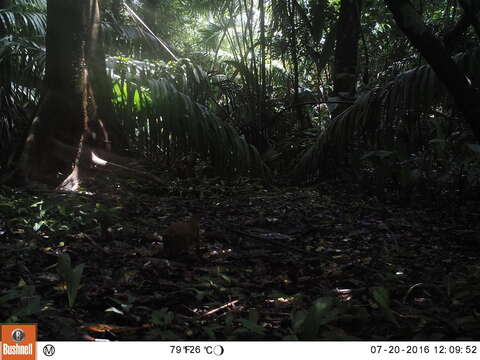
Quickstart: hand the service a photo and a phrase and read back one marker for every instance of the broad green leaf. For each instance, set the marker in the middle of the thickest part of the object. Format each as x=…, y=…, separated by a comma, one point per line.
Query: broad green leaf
x=320, y=313
x=382, y=297
x=71, y=276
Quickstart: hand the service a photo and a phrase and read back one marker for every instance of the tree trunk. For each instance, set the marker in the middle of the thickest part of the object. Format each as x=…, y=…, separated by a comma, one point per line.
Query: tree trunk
x=115, y=8
x=465, y=94
x=293, y=43
x=102, y=86
x=263, y=72
x=150, y=9
x=6, y=123
x=68, y=125
x=346, y=55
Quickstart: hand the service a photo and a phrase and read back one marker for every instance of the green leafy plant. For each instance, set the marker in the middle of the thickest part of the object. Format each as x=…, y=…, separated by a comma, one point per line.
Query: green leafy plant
x=163, y=320
x=71, y=276
x=23, y=300
x=162, y=317
x=381, y=112
x=250, y=326
x=307, y=324
x=390, y=169
x=382, y=298
x=238, y=328
x=164, y=115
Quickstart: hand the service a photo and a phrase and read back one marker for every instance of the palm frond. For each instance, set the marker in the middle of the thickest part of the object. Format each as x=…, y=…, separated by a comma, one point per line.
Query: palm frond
x=169, y=121
x=130, y=36
x=24, y=24
x=244, y=71
x=25, y=60
x=209, y=6
x=211, y=35
x=378, y=112
x=30, y=6
x=22, y=64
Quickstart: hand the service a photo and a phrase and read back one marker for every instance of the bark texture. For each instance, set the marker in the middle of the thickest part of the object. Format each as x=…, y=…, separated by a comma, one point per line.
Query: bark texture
x=68, y=124
x=346, y=54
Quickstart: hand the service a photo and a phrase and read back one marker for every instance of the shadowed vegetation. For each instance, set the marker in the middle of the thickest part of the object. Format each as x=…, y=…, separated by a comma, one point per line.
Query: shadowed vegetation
x=240, y=169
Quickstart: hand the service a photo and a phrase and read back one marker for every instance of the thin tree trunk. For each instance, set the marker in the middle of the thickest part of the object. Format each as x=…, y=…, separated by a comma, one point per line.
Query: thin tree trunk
x=346, y=54
x=102, y=86
x=5, y=103
x=294, y=57
x=366, y=72
x=116, y=7
x=327, y=50
x=466, y=96
x=263, y=77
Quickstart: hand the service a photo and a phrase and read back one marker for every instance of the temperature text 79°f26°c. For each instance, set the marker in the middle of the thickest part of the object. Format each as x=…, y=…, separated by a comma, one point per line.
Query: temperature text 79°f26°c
x=216, y=350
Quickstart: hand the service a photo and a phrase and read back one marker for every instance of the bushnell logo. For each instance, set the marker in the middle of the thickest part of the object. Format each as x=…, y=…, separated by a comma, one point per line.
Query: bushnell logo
x=18, y=341
x=18, y=335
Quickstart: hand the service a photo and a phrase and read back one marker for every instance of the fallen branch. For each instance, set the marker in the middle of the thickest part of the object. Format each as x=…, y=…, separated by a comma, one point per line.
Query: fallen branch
x=213, y=311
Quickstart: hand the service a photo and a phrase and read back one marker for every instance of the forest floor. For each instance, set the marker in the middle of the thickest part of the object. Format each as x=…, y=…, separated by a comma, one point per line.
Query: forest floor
x=318, y=262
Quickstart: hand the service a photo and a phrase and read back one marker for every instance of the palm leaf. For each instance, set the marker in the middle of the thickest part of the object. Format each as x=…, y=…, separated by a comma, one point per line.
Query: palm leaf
x=181, y=123
x=25, y=24
x=380, y=111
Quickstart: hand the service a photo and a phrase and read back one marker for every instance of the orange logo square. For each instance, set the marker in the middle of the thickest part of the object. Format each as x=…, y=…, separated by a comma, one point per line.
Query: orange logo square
x=18, y=341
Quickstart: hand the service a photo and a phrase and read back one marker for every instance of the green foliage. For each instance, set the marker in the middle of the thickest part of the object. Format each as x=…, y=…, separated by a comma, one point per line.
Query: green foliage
x=318, y=321
x=308, y=324
x=29, y=5
x=71, y=275
x=391, y=170
x=163, y=320
x=248, y=328
x=167, y=120
x=19, y=303
x=386, y=118
x=382, y=297
x=36, y=216
x=22, y=60
x=24, y=23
